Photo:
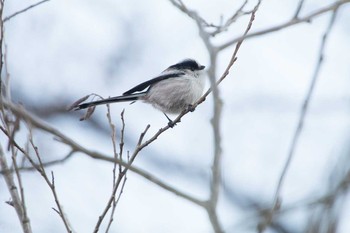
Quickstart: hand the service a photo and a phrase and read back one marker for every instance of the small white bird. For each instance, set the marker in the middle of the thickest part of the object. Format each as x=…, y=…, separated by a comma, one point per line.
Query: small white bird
x=176, y=88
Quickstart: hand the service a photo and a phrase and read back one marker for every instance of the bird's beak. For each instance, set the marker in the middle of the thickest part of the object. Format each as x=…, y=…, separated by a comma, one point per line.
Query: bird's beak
x=201, y=67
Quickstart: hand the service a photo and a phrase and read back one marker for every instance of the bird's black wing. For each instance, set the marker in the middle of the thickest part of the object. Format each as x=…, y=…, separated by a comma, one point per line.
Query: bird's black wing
x=148, y=83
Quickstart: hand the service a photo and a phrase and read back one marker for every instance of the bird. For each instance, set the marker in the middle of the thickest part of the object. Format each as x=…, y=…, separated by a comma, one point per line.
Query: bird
x=176, y=88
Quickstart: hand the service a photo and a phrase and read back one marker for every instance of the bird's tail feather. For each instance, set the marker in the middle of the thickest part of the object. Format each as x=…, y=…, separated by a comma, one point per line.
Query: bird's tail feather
x=122, y=98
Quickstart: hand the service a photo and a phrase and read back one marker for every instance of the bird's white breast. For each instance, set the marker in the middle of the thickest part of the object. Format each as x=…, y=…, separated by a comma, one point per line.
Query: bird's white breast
x=174, y=94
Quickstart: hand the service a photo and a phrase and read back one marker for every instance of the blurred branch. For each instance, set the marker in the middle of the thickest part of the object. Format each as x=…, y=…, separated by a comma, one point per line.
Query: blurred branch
x=1, y=43
x=40, y=168
x=24, y=10
x=338, y=190
x=299, y=127
x=326, y=215
x=16, y=201
x=211, y=203
x=291, y=22
x=25, y=218
x=300, y=5
x=47, y=164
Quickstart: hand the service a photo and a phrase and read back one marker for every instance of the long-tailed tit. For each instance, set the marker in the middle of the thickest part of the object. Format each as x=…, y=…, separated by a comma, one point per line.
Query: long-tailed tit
x=176, y=88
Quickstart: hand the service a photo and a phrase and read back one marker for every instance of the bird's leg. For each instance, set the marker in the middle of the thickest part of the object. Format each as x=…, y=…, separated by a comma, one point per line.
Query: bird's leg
x=171, y=124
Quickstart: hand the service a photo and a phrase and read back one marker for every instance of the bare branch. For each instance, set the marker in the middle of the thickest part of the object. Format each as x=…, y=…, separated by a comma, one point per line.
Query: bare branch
x=300, y=5
x=109, y=203
x=299, y=127
x=16, y=201
x=121, y=144
x=23, y=10
x=329, y=197
x=113, y=138
x=45, y=164
x=202, y=23
x=115, y=202
x=192, y=14
x=231, y=20
x=1, y=43
x=36, y=122
x=121, y=176
x=40, y=168
x=20, y=184
x=51, y=184
x=211, y=204
x=287, y=24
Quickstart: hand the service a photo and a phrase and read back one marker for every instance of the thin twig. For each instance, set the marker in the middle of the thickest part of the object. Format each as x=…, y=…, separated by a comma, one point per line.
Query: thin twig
x=109, y=203
x=121, y=145
x=299, y=127
x=40, y=124
x=45, y=164
x=181, y=6
x=23, y=10
x=287, y=24
x=113, y=138
x=139, y=147
x=121, y=176
x=300, y=5
x=115, y=202
x=40, y=168
x=51, y=184
x=340, y=189
x=231, y=20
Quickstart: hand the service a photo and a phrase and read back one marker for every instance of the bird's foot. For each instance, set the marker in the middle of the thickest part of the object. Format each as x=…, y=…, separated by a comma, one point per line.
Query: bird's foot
x=171, y=124
x=191, y=108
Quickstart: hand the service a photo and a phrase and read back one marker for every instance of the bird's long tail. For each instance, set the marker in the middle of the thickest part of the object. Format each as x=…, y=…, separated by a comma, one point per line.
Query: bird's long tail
x=122, y=98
